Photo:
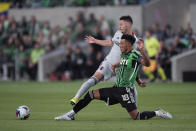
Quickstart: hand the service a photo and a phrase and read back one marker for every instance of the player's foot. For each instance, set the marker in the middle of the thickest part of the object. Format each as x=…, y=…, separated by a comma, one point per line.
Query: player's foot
x=163, y=114
x=65, y=116
x=74, y=101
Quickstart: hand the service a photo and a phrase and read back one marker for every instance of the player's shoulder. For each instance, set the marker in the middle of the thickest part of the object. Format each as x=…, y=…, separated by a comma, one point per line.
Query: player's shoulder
x=117, y=37
x=118, y=33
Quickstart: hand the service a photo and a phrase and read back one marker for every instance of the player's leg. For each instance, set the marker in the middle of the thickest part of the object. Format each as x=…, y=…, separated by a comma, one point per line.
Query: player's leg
x=149, y=114
x=102, y=72
x=142, y=116
x=85, y=86
x=161, y=73
x=80, y=105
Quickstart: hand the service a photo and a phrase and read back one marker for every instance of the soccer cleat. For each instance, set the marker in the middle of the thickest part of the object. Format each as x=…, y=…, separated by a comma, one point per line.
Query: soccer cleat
x=74, y=101
x=65, y=116
x=164, y=114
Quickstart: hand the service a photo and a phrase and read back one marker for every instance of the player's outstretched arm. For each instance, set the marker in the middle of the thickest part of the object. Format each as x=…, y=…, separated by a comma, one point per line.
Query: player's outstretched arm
x=90, y=40
x=145, y=60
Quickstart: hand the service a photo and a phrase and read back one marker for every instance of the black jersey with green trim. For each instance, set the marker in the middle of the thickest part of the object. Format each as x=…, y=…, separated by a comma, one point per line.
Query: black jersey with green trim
x=128, y=69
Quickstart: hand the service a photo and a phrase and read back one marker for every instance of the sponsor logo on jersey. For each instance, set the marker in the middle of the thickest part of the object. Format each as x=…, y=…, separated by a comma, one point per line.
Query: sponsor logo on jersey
x=124, y=62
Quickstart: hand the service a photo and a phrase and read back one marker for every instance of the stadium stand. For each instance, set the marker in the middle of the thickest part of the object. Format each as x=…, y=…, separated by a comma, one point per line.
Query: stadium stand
x=19, y=37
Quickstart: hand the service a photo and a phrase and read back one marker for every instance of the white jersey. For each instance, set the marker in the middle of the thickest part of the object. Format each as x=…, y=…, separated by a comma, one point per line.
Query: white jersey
x=115, y=53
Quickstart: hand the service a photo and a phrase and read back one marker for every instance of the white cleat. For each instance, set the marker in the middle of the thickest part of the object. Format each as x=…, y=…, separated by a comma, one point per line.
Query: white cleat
x=164, y=114
x=65, y=116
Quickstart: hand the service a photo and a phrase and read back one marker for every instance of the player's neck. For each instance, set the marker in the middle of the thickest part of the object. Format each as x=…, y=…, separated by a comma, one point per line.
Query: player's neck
x=130, y=32
x=128, y=50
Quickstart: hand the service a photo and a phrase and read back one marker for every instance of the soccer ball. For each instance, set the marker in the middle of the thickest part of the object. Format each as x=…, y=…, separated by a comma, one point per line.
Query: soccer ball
x=23, y=112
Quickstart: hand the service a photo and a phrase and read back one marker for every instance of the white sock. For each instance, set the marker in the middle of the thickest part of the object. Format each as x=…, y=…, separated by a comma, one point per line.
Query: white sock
x=71, y=113
x=85, y=86
x=157, y=113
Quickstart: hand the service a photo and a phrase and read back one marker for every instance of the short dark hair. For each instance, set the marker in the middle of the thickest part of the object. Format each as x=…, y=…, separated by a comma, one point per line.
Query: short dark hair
x=129, y=38
x=127, y=18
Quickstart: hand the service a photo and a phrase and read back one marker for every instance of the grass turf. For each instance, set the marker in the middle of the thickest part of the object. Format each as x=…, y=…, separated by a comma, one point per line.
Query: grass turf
x=47, y=100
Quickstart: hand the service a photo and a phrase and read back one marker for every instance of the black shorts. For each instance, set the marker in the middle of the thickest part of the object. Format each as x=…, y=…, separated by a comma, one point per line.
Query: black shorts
x=122, y=95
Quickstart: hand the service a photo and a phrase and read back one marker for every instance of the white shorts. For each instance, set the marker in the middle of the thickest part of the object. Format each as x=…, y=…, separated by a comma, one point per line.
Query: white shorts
x=105, y=68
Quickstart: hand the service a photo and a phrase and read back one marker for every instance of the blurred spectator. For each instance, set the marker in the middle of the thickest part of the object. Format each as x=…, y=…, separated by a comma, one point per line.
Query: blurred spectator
x=63, y=41
x=2, y=61
x=103, y=24
x=181, y=32
x=55, y=35
x=192, y=44
x=152, y=46
x=167, y=32
x=35, y=55
x=22, y=60
x=99, y=59
x=178, y=45
x=91, y=22
x=190, y=35
x=80, y=32
x=79, y=61
x=97, y=35
x=90, y=62
x=33, y=26
x=156, y=32
x=64, y=70
x=27, y=40
x=23, y=25
x=80, y=17
x=106, y=36
x=71, y=23
x=46, y=28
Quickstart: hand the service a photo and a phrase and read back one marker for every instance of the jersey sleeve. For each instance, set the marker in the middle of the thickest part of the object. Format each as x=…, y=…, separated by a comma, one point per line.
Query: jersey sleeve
x=116, y=38
x=135, y=44
x=139, y=59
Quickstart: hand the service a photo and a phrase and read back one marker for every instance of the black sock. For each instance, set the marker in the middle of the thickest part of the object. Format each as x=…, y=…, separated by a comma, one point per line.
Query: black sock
x=145, y=115
x=83, y=102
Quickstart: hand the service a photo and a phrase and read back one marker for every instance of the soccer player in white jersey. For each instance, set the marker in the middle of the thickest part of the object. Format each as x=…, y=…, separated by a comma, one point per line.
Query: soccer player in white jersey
x=104, y=72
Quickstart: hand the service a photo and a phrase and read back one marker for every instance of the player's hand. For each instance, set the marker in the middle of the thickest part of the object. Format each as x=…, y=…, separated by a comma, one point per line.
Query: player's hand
x=90, y=39
x=141, y=83
x=140, y=44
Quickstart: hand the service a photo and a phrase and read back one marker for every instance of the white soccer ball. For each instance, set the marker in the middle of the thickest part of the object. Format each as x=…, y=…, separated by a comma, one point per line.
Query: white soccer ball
x=23, y=112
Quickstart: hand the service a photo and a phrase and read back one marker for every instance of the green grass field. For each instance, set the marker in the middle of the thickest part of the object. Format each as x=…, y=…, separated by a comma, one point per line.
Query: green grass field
x=47, y=100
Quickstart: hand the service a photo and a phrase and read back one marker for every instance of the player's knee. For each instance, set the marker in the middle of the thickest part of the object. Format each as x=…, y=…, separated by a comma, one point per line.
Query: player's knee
x=134, y=114
x=96, y=94
x=98, y=76
x=90, y=94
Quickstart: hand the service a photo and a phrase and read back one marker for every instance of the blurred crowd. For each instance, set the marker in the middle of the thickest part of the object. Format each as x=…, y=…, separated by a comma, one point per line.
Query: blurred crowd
x=70, y=3
x=161, y=44
x=23, y=42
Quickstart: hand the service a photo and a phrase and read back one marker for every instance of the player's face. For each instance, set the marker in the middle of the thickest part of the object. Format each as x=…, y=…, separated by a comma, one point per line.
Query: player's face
x=123, y=46
x=147, y=34
x=125, y=27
